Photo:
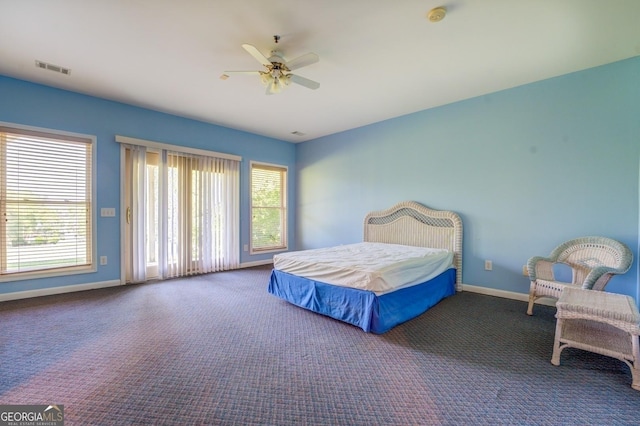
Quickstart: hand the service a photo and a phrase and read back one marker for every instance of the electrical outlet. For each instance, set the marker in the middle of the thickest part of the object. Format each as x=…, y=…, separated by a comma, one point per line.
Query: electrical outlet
x=488, y=265
x=246, y=247
x=103, y=260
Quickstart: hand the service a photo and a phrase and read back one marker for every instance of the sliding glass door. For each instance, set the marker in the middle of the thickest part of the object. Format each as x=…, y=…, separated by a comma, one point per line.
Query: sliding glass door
x=182, y=214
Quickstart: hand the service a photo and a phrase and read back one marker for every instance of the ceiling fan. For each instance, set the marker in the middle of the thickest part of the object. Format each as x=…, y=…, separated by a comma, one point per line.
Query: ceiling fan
x=277, y=74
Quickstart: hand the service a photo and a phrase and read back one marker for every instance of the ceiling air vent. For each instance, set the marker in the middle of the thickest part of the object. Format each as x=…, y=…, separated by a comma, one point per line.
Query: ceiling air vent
x=51, y=67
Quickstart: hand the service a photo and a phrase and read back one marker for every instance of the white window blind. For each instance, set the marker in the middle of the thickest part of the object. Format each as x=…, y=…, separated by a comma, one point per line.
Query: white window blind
x=202, y=205
x=268, y=207
x=45, y=201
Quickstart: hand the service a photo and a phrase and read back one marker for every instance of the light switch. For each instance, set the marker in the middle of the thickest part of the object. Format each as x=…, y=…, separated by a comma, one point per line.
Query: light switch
x=108, y=212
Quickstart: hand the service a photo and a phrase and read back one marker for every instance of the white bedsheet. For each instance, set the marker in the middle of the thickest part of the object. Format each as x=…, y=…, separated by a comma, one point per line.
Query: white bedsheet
x=376, y=267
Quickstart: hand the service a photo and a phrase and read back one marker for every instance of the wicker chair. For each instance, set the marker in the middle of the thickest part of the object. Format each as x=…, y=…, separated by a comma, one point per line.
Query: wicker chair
x=593, y=260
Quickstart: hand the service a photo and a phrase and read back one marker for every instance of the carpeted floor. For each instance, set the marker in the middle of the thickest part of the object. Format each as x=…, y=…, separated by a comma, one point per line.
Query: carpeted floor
x=217, y=349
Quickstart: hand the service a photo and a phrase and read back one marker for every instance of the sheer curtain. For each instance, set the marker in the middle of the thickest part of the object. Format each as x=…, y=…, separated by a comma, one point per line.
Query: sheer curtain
x=202, y=214
x=195, y=227
x=136, y=212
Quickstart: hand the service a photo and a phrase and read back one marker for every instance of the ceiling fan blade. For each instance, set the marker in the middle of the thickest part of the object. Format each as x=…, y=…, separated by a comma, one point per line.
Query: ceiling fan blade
x=242, y=72
x=302, y=61
x=253, y=51
x=226, y=74
x=310, y=84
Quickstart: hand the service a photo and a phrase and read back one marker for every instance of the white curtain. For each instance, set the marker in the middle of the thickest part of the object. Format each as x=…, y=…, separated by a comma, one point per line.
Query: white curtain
x=202, y=209
x=136, y=172
x=198, y=214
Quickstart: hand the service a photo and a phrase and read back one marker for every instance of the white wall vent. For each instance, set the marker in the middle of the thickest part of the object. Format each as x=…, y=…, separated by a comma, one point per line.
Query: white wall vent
x=51, y=67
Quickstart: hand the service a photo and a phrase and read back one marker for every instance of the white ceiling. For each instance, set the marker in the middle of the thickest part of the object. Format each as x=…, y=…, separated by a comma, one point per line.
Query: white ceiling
x=379, y=59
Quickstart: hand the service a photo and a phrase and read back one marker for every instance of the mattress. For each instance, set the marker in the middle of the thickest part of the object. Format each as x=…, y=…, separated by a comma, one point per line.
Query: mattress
x=376, y=267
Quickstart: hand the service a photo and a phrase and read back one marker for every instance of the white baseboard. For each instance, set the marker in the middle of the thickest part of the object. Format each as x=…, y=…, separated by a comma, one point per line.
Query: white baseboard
x=505, y=294
x=256, y=263
x=89, y=286
x=57, y=290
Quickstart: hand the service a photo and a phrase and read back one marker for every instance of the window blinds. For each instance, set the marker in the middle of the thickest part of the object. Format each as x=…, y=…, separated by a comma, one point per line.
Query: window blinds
x=268, y=207
x=45, y=200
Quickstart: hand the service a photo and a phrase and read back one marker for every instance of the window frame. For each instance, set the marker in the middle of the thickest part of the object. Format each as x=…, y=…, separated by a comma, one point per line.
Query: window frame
x=91, y=267
x=284, y=219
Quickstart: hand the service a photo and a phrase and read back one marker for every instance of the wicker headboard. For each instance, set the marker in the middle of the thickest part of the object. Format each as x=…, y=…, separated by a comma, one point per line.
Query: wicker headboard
x=413, y=224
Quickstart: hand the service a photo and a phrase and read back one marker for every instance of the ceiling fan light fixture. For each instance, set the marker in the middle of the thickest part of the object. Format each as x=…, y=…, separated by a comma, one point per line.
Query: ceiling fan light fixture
x=276, y=86
x=277, y=73
x=266, y=78
x=275, y=81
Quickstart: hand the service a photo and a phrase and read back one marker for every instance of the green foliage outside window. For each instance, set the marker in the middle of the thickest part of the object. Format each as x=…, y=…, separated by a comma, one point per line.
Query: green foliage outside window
x=268, y=207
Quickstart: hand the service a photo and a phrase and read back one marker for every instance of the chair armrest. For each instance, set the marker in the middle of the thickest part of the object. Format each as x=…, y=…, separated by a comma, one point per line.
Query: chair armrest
x=540, y=267
x=599, y=277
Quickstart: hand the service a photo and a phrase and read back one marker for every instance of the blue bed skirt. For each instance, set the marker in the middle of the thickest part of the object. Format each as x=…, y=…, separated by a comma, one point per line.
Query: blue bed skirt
x=376, y=314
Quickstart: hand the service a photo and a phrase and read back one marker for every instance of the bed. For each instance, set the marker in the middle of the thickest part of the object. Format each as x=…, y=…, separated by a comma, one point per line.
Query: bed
x=410, y=259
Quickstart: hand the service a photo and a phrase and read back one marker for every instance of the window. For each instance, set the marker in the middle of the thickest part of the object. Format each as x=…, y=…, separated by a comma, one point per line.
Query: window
x=268, y=208
x=45, y=202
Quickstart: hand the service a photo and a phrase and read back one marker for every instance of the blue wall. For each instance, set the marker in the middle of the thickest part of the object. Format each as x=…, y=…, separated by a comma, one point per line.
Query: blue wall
x=526, y=168
x=36, y=105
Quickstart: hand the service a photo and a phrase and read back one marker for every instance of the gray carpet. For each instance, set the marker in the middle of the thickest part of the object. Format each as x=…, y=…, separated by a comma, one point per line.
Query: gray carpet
x=217, y=349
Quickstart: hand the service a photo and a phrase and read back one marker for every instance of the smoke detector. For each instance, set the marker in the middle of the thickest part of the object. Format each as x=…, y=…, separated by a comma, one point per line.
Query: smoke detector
x=437, y=14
